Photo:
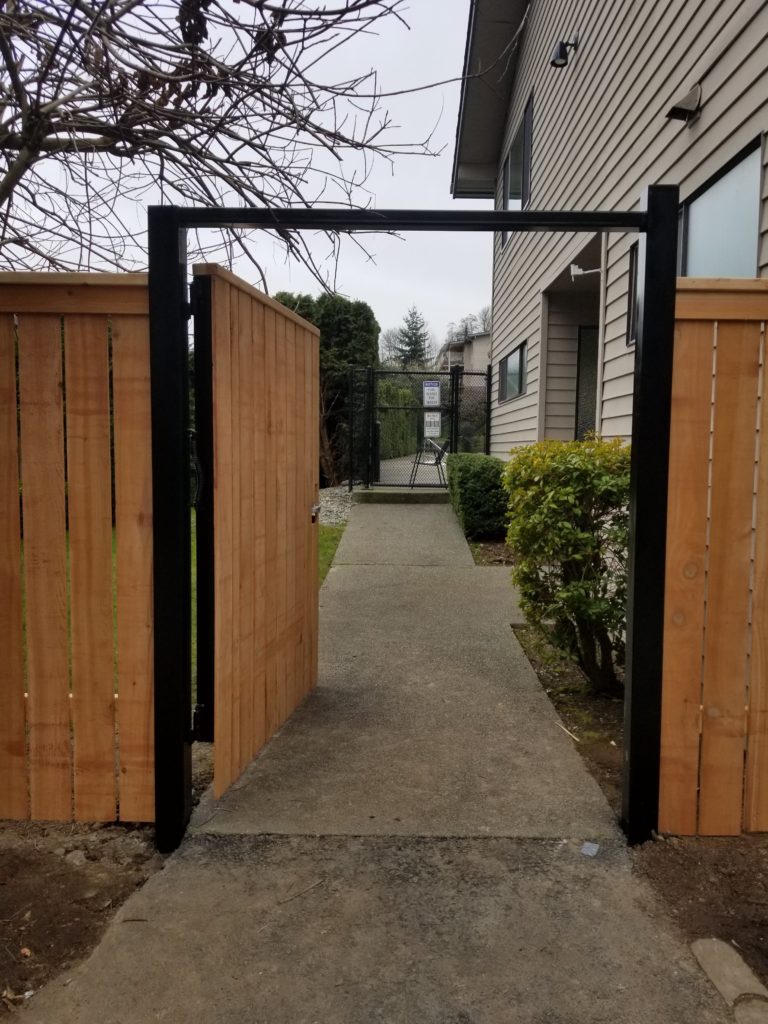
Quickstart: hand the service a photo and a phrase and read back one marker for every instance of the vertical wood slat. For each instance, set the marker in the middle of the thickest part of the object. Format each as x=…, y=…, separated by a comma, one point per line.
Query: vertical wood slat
x=14, y=801
x=685, y=576
x=726, y=632
x=45, y=565
x=270, y=488
x=756, y=782
x=259, y=531
x=89, y=491
x=222, y=545
x=313, y=567
x=245, y=557
x=237, y=567
x=134, y=537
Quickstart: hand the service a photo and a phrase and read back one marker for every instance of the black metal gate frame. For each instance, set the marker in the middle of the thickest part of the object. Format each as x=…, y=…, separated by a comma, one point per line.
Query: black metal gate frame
x=170, y=309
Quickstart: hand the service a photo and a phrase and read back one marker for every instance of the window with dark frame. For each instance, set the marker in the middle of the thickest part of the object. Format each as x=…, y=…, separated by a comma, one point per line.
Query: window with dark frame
x=512, y=373
x=632, y=303
x=516, y=172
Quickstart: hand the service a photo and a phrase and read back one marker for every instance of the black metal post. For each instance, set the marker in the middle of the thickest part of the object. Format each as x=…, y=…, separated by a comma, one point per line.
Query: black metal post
x=488, y=399
x=168, y=312
x=454, y=434
x=369, y=418
x=351, y=427
x=204, y=704
x=656, y=285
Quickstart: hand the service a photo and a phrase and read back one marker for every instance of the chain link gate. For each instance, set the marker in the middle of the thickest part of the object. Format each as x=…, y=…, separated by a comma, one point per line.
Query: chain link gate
x=404, y=422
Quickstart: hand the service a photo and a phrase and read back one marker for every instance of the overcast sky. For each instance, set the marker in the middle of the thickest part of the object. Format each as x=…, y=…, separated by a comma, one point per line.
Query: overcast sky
x=446, y=275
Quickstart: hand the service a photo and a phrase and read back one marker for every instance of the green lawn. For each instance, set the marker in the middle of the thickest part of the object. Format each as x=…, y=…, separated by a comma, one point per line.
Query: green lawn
x=329, y=541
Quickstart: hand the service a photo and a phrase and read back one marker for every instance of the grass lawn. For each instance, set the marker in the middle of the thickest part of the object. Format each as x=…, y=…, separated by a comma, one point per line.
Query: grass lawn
x=329, y=541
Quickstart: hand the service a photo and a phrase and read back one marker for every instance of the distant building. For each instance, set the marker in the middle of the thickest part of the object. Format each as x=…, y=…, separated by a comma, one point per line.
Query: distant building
x=472, y=352
x=587, y=107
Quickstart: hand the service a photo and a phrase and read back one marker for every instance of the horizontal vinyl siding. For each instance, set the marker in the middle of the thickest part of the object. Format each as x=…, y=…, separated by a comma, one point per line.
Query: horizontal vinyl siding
x=566, y=315
x=600, y=136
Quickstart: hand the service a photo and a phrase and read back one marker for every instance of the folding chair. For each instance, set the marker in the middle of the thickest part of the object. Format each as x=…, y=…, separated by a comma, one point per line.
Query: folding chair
x=430, y=454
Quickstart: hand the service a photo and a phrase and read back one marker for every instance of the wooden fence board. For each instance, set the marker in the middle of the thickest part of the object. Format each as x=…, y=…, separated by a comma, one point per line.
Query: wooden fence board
x=89, y=488
x=726, y=631
x=246, y=458
x=237, y=567
x=45, y=565
x=259, y=530
x=270, y=488
x=133, y=527
x=222, y=545
x=14, y=796
x=685, y=576
x=756, y=789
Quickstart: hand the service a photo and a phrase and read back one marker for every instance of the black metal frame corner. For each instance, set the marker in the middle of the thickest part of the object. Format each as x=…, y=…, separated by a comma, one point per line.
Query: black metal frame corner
x=169, y=312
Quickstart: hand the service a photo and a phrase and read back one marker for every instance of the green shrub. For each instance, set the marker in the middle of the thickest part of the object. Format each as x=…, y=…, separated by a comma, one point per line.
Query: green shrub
x=477, y=494
x=568, y=531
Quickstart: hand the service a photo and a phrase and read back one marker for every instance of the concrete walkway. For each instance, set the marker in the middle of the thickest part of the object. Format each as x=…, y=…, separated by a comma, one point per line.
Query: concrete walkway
x=408, y=849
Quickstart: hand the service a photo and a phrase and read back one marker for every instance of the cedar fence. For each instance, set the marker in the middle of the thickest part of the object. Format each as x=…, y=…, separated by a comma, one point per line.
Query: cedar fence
x=76, y=720
x=714, y=741
x=265, y=366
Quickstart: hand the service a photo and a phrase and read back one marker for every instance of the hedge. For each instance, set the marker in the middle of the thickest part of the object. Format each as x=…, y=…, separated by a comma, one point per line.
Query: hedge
x=568, y=533
x=477, y=494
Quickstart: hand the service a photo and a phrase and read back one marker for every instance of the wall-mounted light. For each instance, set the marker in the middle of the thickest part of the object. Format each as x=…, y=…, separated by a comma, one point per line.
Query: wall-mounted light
x=577, y=271
x=688, y=107
x=559, y=56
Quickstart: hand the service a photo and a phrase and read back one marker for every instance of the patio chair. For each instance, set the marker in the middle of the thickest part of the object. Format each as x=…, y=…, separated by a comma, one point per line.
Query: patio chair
x=433, y=455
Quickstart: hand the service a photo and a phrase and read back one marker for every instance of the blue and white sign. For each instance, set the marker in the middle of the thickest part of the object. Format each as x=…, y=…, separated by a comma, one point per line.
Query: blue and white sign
x=431, y=393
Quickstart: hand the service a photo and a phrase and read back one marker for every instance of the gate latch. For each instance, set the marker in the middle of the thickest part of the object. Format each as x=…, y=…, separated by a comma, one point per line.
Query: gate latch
x=315, y=512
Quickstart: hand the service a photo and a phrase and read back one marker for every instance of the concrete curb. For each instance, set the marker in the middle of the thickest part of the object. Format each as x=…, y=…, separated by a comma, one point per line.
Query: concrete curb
x=733, y=979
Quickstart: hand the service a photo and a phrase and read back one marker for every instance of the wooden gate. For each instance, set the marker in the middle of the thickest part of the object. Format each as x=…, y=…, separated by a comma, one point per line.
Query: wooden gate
x=76, y=636
x=714, y=757
x=265, y=366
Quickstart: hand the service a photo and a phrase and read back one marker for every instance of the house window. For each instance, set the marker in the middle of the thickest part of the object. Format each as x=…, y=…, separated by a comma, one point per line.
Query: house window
x=516, y=173
x=632, y=303
x=720, y=224
x=512, y=373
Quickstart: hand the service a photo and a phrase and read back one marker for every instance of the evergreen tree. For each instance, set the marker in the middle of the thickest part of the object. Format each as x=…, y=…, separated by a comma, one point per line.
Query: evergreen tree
x=413, y=345
x=349, y=333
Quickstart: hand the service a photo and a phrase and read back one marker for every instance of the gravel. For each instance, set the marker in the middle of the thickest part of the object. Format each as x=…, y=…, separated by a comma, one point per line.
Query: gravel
x=335, y=503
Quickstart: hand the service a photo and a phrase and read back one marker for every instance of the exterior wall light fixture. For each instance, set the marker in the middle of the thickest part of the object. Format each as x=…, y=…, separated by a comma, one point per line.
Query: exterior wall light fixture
x=688, y=107
x=559, y=56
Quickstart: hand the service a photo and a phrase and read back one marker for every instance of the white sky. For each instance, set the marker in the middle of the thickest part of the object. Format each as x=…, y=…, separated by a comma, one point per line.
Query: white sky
x=446, y=275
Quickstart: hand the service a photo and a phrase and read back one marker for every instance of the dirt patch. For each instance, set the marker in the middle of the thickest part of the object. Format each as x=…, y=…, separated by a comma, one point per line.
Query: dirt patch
x=711, y=887
x=714, y=887
x=60, y=885
x=490, y=552
x=596, y=724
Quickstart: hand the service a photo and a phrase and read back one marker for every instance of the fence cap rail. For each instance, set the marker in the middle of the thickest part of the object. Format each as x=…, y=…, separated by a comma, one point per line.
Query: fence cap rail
x=214, y=270
x=721, y=298
x=63, y=293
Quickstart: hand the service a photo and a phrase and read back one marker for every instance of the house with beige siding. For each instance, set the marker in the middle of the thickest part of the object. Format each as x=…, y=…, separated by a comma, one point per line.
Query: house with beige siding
x=578, y=105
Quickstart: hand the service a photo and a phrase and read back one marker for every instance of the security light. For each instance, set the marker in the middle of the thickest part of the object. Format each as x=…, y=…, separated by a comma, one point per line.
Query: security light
x=560, y=53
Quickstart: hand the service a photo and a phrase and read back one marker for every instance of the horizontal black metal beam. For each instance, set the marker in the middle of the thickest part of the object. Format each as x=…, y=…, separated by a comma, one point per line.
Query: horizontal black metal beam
x=325, y=219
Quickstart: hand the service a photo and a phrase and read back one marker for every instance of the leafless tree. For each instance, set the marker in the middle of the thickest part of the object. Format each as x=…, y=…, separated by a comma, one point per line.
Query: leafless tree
x=106, y=105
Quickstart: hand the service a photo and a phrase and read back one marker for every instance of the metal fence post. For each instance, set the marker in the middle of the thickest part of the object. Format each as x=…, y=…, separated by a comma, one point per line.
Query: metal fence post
x=488, y=399
x=351, y=435
x=656, y=285
x=454, y=435
x=171, y=524
x=369, y=417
